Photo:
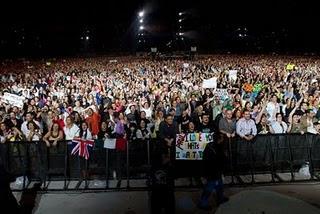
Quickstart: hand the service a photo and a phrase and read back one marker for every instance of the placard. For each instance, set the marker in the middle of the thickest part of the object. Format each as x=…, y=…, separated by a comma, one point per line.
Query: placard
x=191, y=146
x=109, y=143
x=210, y=83
x=13, y=99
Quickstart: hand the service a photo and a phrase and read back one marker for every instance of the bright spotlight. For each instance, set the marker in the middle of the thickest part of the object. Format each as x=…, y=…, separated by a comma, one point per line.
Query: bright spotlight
x=87, y=38
x=141, y=28
x=180, y=34
x=141, y=14
x=141, y=20
x=180, y=14
x=180, y=20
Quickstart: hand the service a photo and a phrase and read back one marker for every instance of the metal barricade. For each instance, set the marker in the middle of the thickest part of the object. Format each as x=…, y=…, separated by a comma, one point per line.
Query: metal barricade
x=276, y=156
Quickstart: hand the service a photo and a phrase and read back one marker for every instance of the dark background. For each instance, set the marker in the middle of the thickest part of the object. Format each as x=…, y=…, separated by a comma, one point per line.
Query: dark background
x=53, y=28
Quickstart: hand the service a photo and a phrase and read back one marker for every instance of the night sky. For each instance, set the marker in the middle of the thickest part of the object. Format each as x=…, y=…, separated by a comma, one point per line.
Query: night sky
x=113, y=27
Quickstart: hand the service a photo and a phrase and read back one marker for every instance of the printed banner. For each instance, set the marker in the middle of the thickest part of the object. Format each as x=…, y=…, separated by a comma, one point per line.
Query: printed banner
x=191, y=146
x=13, y=99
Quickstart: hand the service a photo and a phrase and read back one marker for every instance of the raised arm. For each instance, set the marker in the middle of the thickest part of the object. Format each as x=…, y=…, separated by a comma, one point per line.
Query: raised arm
x=258, y=118
x=294, y=110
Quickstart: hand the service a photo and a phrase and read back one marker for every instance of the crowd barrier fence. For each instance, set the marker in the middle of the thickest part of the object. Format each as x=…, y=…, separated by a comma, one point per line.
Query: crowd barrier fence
x=269, y=155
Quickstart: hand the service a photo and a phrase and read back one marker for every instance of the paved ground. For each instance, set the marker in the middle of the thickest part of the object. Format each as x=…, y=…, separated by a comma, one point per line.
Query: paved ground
x=259, y=199
x=265, y=202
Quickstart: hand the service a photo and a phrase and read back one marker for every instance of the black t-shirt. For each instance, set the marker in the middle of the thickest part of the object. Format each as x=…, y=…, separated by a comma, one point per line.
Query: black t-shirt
x=101, y=134
x=206, y=128
x=10, y=124
x=184, y=121
x=288, y=111
x=132, y=118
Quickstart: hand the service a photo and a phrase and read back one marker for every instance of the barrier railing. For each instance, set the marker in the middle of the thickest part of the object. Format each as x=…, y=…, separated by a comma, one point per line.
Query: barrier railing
x=276, y=157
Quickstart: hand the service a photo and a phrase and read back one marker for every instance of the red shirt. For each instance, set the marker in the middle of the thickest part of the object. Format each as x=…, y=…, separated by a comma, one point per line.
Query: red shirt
x=94, y=123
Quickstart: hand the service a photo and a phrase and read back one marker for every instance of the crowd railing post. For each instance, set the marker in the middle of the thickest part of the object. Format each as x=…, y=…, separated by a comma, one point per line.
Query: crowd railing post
x=65, y=171
x=107, y=168
x=231, y=160
x=128, y=162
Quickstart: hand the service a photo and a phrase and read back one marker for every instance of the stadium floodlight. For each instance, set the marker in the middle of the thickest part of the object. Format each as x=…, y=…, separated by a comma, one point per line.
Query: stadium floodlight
x=180, y=14
x=180, y=20
x=141, y=20
x=141, y=13
x=87, y=38
x=141, y=27
x=180, y=34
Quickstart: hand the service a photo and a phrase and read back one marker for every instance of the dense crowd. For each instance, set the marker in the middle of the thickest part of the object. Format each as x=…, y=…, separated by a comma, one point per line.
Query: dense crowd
x=141, y=99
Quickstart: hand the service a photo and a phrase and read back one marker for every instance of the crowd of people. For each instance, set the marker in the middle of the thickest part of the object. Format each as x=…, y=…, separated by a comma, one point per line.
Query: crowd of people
x=138, y=100
x=134, y=98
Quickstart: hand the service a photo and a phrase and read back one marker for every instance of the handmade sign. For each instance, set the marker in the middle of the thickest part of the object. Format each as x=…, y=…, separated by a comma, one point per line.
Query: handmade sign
x=191, y=146
x=110, y=143
x=222, y=93
x=210, y=83
x=233, y=75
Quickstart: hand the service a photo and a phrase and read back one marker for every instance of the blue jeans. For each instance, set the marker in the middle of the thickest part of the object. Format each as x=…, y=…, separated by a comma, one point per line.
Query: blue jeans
x=211, y=185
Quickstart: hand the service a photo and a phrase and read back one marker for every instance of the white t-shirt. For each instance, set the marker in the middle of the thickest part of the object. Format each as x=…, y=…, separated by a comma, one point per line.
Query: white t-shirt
x=87, y=136
x=72, y=132
x=78, y=109
x=25, y=129
x=35, y=137
x=272, y=109
x=278, y=129
x=312, y=130
x=148, y=112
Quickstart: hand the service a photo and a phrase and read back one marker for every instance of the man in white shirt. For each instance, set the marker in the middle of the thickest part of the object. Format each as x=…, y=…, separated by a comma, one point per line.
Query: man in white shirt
x=71, y=130
x=246, y=127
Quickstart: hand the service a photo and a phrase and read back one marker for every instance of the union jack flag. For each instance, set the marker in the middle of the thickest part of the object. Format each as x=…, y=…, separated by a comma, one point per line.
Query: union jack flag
x=82, y=147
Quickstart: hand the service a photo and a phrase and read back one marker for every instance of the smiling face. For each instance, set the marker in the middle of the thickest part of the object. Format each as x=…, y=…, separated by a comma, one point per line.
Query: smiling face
x=274, y=98
x=246, y=115
x=3, y=127
x=31, y=126
x=69, y=121
x=104, y=125
x=279, y=118
x=142, y=124
x=169, y=120
x=84, y=126
x=191, y=126
x=205, y=119
x=229, y=114
x=90, y=112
